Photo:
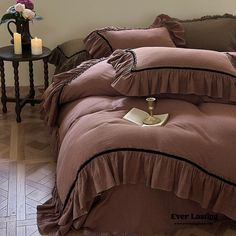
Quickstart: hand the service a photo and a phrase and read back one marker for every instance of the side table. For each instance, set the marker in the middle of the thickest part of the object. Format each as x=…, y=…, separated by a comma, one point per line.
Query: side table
x=7, y=54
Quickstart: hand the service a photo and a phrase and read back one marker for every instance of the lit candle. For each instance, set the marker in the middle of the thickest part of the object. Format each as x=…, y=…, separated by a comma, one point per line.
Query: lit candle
x=36, y=46
x=17, y=43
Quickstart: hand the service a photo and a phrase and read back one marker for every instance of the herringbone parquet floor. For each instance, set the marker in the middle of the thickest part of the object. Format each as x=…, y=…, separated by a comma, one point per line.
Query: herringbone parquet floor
x=27, y=173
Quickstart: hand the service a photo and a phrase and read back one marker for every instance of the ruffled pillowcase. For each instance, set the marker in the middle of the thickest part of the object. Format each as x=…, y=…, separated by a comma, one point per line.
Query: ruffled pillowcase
x=68, y=55
x=175, y=71
x=211, y=33
x=164, y=32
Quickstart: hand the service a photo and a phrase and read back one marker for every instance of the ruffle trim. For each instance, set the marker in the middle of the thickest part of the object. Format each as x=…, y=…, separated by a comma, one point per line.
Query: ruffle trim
x=51, y=97
x=57, y=57
x=175, y=29
x=97, y=45
x=73, y=61
x=154, y=170
x=222, y=227
x=64, y=62
x=178, y=81
x=203, y=18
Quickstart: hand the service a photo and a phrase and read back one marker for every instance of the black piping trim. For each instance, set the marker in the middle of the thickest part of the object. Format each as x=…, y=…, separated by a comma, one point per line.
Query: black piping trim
x=144, y=151
x=105, y=41
x=184, y=68
x=134, y=58
x=81, y=51
x=172, y=67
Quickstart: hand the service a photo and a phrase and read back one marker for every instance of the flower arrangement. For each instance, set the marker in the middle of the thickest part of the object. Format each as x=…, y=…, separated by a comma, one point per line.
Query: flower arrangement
x=23, y=10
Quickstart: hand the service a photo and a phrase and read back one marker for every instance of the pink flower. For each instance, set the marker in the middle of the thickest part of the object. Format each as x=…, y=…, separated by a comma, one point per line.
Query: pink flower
x=28, y=3
x=19, y=7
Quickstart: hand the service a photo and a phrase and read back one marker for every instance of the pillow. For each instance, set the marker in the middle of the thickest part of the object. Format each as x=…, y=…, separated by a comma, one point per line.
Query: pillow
x=211, y=32
x=68, y=55
x=96, y=80
x=163, y=32
x=152, y=71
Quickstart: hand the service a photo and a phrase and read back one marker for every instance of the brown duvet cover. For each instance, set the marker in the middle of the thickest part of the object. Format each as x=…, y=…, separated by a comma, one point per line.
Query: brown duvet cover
x=193, y=156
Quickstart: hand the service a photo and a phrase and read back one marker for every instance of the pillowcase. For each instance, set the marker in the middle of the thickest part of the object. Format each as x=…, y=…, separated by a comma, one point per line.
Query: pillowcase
x=163, y=32
x=160, y=70
x=96, y=80
x=211, y=32
x=69, y=55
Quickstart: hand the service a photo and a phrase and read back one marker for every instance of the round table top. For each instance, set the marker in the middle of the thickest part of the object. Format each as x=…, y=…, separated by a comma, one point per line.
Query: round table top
x=7, y=54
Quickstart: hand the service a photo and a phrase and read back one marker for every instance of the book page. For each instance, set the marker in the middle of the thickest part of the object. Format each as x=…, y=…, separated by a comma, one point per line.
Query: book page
x=136, y=116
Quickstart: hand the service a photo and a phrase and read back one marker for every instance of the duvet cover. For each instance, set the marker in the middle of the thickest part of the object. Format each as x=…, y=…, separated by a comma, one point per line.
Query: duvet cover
x=192, y=156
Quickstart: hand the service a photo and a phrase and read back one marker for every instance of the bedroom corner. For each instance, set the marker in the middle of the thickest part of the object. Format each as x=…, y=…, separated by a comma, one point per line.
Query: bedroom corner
x=117, y=118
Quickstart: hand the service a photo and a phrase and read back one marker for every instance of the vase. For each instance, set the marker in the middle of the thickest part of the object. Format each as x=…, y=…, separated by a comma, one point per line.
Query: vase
x=22, y=27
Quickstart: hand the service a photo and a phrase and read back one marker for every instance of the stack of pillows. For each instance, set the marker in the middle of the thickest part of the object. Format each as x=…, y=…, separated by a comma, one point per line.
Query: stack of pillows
x=190, y=57
x=209, y=32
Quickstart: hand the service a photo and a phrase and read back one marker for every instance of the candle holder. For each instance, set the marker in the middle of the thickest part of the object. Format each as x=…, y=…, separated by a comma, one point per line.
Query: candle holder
x=151, y=120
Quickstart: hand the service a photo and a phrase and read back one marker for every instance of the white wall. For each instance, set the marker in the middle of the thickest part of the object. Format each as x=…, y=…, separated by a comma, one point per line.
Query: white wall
x=64, y=20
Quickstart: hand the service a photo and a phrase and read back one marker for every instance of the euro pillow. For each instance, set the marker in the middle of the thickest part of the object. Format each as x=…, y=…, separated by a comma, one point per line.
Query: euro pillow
x=68, y=55
x=211, y=33
x=164, y=32
x=176, y=71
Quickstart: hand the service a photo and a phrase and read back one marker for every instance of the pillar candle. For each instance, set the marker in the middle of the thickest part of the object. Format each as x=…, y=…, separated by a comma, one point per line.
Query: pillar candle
x=17, y=44
x=36, y=46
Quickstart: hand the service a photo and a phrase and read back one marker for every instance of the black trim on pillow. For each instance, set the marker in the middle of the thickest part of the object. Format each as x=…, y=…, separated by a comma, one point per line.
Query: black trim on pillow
x=134, y=57
x=144, y=151
x=116, y=29
x=183, y=68
x=174, y=67
x=106, y=40
x=82, y=51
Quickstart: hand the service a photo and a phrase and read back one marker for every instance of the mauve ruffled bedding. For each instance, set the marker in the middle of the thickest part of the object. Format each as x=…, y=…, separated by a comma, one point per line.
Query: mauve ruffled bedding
x=164, y=32
x=161, y=70
x=192, y=156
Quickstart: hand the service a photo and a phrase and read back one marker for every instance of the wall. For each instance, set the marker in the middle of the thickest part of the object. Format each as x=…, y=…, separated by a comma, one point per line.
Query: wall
x=64, y=20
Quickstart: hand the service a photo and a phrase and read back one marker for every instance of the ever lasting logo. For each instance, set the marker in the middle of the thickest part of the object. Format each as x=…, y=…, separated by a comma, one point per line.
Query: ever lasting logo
x=194, y=219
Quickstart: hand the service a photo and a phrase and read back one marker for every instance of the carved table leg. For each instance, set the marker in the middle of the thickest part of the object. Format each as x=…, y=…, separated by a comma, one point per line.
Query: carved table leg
x=4, y=96
x=31, y=76
x=45, y=62
x=17, y=91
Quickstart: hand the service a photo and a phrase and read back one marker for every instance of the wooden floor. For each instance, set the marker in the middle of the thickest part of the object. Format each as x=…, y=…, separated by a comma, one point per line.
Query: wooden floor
x=27, y=173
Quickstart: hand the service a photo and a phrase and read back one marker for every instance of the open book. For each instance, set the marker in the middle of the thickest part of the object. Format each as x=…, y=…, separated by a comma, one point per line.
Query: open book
x=137, y=116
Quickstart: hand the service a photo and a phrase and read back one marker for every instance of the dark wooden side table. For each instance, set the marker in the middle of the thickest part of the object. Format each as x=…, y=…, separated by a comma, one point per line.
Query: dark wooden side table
x=7, y=54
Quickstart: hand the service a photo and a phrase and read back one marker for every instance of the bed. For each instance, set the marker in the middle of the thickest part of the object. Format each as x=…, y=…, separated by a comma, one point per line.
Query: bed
x=117, y=178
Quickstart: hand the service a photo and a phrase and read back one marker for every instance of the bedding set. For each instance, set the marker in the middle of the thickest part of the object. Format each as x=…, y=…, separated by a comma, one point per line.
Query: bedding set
x=117, y=178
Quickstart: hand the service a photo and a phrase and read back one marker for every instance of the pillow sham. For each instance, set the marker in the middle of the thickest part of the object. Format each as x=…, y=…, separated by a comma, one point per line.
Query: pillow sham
x=211, y=32
x=164, y=32
x=160, y=70
x=96, y=80
x=68, y=55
